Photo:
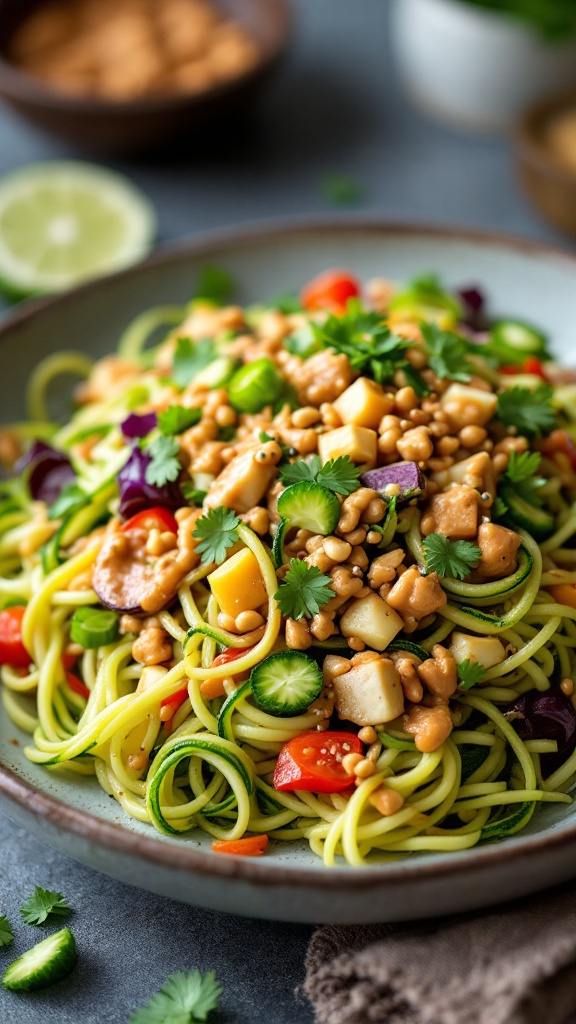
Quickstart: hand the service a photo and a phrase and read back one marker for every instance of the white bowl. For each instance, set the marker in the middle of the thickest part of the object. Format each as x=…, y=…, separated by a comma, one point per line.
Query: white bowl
x=472, y=67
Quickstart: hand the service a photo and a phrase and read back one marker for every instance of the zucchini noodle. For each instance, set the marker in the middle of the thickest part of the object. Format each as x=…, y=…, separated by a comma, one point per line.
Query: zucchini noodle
x=137, y=666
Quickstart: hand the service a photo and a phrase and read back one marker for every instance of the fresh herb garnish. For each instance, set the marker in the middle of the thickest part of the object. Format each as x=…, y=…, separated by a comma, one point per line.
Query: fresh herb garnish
x=303, y=590
x=529, y=410
x=521, y=471
x=303, y=342
x=6, y=933
x=215, y=284
x=453, y=558
x=339, y=475
x=70, y=499
x=176, y=419
x=469, y=673
x=341, y=189
x=447, y=353
x=43, y=903
x=192, y=494
x=216, y=531
x=191, y=357
x=369, y=344
x=183, y=999
x=165, y=465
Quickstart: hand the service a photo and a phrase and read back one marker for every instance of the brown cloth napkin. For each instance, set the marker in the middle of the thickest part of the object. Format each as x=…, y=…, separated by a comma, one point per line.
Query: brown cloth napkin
x=511, y=966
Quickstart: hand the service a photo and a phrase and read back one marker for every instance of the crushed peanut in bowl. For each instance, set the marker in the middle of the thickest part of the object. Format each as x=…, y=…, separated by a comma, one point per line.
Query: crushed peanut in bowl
x=124, y=50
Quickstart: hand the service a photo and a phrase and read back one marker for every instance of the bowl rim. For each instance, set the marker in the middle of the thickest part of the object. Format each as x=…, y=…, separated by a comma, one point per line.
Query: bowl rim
x=530, y=148
x=155, y=852
x=20, y=86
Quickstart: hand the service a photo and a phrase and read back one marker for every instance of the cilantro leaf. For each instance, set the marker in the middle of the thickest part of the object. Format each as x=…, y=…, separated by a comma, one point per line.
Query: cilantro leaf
x=41, y=904
x=342, y=190
x=176, y=419
x=70, y=499
x=339, y=475
x=215, y=284
x=191, y=357
x=165, y=465
x=6, y=933
x=183, y=999
x=447, y=353
x=454, y=558
x=216, y=531
x=303, y=342
x=366, y=339
x=303, y=590
x=529, y=410
x=500, y=508
x=469, y=673
x=521, y=473
x=192, y=494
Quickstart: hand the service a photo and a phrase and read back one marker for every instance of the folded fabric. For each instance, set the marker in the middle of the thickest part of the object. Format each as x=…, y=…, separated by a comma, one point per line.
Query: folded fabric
x=515, y=965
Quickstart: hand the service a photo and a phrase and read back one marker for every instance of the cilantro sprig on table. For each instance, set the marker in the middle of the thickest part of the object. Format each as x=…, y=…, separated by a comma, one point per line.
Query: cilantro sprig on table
x=530, y=410
x=453, y=558
x=370, y=345
x=469, y=674
x=6, y=933
x=42, y=904
x=216, y=531
x=303, y=590
x=183, y=999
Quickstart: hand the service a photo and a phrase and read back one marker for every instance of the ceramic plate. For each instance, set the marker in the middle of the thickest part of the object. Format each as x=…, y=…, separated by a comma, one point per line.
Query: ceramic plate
x=73, y=814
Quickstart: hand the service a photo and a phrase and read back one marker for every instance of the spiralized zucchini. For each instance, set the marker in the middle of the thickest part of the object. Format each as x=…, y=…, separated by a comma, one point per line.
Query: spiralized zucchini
x=209, y=765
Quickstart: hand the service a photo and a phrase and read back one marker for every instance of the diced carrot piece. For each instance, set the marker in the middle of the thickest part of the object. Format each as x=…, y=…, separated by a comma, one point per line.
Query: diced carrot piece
x=250, y=846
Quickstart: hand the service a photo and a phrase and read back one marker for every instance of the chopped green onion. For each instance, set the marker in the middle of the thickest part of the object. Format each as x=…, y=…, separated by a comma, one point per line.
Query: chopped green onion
x=255, y=386
x=93, y=627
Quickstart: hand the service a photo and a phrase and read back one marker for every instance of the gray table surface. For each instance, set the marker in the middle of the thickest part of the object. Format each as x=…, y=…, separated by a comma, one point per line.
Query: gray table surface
x=333, y=108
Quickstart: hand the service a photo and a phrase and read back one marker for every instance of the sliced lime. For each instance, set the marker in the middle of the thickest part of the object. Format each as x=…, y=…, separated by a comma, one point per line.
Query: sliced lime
x=64, y=222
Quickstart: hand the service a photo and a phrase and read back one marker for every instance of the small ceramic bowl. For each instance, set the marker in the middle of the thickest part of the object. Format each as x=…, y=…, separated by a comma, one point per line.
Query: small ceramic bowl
x=545, y=144
x=114, y=127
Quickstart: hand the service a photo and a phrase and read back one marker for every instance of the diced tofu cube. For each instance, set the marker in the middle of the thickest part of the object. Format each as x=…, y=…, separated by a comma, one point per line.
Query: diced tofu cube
x=237, y=584
x=359, y=443
x=363, y=403
x=370, y=693
x=454, y=513
x=415, y=596
x=486, y=650
x=242, y=483
x=371, y=620
x=466, y=405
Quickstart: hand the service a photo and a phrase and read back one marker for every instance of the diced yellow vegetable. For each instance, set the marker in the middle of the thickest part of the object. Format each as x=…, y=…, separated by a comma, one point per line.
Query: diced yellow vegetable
x=359, y=443
x=369, y=693
x=237, y=584
x=466, y=405
x=486, y=650
x=363, y=403
x=371, y=620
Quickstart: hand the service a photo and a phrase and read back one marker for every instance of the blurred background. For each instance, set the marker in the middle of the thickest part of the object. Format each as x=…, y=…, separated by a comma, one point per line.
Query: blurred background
x=391, y=109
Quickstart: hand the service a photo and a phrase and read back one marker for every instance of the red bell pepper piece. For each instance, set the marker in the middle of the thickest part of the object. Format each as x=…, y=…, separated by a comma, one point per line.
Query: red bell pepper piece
x=330, y=290
x=77, y=686
x=150, y=518
x=12, y=650
x=313, y=761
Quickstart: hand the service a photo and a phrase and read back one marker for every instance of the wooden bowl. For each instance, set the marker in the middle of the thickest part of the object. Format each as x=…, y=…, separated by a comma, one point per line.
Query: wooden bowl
x=140, y=124
x=547, y=175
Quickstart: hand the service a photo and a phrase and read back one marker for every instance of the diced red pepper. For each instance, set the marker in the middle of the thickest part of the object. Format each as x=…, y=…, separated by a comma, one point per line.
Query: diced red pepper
x=152, y=518
x=77, y=686
x=330, y=290
x=12, y=650
x=313, y=761
x=175, y=700
x=230, y=654
x=531, y=365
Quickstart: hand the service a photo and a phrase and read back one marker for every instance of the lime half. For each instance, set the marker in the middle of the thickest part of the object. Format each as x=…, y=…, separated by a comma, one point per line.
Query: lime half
x=64, y=222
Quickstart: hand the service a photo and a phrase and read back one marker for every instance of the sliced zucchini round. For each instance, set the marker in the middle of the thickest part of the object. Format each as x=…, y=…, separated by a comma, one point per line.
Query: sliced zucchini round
x=310, y=506
x=514, y=340
x=286, y=683
x=46, y=963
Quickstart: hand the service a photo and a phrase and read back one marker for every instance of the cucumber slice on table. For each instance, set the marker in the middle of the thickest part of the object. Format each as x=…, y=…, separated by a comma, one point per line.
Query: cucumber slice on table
x=47, y=962
x=286, y=683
